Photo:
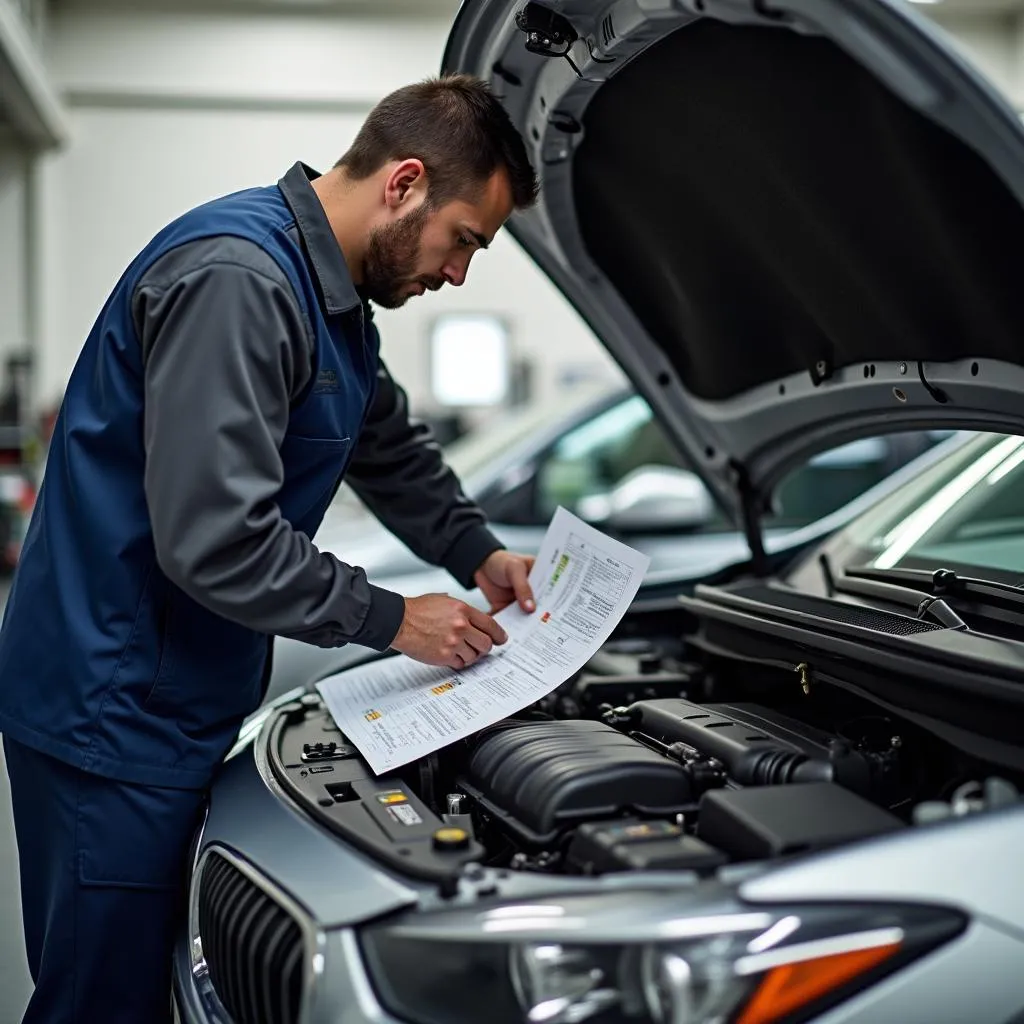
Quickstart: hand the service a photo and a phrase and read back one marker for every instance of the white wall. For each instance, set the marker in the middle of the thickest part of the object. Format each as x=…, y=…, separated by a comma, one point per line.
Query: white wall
x=168, y=111
x=269, y=55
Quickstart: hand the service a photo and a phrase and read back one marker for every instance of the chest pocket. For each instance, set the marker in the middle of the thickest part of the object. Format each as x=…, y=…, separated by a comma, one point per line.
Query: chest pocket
x=312, y=466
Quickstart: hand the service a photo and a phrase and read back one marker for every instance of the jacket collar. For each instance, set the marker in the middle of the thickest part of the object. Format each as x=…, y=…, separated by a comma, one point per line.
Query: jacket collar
x=322, y=249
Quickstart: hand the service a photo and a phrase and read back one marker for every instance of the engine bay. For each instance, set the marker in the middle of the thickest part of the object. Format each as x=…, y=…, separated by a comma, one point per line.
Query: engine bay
x=655, y=757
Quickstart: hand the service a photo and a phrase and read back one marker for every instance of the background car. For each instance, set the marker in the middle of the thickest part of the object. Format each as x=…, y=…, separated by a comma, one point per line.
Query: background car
x=603, y=456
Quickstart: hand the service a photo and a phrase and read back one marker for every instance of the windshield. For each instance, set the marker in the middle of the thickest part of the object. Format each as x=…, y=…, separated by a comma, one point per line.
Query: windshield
x=965, y=512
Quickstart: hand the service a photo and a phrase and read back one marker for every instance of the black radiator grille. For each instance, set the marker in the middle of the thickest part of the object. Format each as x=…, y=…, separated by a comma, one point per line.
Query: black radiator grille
x=253, y=947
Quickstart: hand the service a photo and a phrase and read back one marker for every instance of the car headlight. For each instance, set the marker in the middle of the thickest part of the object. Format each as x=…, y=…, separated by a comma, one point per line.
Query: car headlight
x=642, y=958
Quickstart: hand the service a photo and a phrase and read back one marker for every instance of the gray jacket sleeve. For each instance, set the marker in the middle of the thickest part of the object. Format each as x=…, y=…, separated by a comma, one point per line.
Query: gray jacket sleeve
x=399, y=472
x=226, y=349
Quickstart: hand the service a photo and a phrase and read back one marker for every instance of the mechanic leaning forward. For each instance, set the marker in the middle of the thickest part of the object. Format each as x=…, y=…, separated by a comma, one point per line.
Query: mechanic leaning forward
x=230, y=381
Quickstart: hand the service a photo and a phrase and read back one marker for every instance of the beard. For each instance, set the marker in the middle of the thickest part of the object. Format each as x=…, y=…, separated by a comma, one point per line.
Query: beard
x=391, y=257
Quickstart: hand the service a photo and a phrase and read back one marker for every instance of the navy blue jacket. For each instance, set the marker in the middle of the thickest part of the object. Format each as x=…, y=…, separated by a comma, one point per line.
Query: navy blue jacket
x=229, y=382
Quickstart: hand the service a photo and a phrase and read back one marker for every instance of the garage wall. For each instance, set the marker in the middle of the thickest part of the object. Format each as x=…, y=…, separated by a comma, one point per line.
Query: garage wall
x=13, y=271
x=170, y=110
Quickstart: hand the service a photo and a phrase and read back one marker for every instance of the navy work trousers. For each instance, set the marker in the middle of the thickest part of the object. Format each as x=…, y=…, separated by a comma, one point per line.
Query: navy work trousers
x=102, y=887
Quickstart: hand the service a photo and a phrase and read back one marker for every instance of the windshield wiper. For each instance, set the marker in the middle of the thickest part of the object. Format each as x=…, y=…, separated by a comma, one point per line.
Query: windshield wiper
x=988, y=595
x=880, y=589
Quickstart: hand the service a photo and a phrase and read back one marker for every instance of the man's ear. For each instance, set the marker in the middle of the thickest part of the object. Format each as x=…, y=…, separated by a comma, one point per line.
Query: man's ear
x=405, y=184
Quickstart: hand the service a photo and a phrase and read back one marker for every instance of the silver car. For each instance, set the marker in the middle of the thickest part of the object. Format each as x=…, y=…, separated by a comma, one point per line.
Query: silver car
x=787, y=791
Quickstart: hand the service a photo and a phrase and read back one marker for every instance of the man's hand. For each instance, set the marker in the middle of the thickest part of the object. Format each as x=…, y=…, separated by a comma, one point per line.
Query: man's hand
x=504, y=578
x=440, y=630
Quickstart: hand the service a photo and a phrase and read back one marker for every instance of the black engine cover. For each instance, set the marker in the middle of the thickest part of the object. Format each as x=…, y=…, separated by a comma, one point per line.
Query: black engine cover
x=542, y=778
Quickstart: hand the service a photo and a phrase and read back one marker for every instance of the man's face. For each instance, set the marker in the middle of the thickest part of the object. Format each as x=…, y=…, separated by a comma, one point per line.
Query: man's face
x=426, y=248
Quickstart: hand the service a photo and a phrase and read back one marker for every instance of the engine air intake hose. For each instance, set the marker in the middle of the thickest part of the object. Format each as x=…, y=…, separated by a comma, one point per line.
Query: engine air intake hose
x=757, y=747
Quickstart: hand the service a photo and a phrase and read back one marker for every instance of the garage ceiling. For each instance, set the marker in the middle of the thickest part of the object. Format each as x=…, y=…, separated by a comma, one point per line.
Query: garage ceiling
x=448, y=8
x=377, y=8
x=445, y=8
x=976, y=7
x=28, y=102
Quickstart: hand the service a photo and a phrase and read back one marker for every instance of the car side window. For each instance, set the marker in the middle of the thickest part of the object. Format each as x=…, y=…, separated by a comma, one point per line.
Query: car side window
x=619, y=470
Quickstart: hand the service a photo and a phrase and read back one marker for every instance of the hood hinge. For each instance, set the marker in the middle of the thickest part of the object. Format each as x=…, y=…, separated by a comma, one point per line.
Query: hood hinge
x=548, y=34
x=750, y=508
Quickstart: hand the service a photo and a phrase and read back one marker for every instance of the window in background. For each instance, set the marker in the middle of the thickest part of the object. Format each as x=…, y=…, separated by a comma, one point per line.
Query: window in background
x=619, y=470
x=469, y=360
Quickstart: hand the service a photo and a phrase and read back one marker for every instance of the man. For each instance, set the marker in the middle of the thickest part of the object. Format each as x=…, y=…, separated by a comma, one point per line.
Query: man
x=230, y=381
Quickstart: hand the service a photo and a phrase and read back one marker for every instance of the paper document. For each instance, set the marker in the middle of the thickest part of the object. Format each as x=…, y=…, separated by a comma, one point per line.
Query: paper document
x=398, y=710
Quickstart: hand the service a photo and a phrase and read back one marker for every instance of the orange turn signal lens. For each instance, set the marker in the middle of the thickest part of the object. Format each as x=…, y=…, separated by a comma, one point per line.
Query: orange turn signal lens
x=790, y=987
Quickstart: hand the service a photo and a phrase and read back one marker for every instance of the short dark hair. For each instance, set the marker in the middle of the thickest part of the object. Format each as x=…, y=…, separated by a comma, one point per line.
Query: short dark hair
x=458, y=129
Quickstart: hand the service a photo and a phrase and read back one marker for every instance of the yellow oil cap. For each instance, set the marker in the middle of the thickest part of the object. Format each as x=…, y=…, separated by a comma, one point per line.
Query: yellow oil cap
x=451, y=839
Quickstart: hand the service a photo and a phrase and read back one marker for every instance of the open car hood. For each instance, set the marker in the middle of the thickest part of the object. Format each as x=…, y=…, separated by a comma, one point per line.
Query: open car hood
x=792, y=222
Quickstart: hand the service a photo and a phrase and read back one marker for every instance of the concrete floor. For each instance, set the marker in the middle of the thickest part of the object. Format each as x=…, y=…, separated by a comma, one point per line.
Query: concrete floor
x=15, y=984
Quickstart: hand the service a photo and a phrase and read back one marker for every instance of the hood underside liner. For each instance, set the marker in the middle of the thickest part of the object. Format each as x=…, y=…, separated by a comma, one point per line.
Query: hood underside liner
x=767, y=207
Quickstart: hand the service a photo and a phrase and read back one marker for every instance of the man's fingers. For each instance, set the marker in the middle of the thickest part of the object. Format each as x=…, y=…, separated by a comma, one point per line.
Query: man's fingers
x=486, y=624
x=465, y=654
x=518, y=577
x=479, y=641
